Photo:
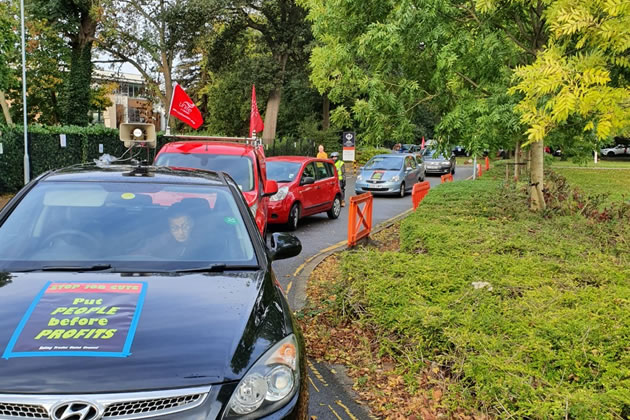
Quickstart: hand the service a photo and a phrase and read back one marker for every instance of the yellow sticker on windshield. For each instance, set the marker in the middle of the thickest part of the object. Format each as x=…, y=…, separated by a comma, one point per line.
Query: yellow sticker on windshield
x=128, y=196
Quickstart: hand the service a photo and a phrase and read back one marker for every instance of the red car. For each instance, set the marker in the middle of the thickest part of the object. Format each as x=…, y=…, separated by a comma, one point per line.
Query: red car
x=305, y=186
x=244, y=162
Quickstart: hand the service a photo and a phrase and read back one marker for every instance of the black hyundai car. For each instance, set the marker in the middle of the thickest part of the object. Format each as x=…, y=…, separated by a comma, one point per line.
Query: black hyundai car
x=132, y=292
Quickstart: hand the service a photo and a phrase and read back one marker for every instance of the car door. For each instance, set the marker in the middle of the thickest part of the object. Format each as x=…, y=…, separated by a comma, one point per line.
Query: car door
x=324, y=183
x=411, y=171
x=308, y=192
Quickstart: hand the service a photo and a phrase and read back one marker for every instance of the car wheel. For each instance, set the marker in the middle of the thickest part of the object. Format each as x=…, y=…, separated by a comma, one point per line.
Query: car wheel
x=402, y=191
x=335, y=210
x=453, y=170
x=423, y=176
x=294, y=217
x=611, y=154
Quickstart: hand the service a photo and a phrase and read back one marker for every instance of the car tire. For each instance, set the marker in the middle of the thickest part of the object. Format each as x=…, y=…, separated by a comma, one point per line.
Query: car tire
x=453, y=170
x=402, y=191
x=423, y=176
x=335, y=210
x=610, y=154
x=294, y=217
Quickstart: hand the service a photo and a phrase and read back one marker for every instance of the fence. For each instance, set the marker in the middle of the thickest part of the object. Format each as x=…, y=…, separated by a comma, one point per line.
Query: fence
x=359, y=219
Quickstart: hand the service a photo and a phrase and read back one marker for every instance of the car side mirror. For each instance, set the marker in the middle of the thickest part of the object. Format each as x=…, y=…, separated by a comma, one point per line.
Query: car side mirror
x=271, y=187
x=307, y=180
x=283, y=245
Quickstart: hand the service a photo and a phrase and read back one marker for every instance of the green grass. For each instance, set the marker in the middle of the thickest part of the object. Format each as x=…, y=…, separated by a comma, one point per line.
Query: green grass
x=613, y=182
x=551, y=339
x=622, y=163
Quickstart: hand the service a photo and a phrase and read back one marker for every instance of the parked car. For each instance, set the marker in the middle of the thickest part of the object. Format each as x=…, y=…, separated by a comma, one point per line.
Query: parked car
x=410, y=148
x=436, y=162
x=394, y=173
x=306, y=186
x=102, y=316
x=618, y=150
x=460, y=151
x=244, y=162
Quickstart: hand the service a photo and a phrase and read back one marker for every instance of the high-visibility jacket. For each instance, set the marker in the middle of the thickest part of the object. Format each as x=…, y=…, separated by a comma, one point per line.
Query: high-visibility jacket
x=340, y=168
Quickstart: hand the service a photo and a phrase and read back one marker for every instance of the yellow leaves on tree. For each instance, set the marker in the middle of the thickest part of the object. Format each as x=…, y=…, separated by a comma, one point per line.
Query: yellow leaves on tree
x=580, y=72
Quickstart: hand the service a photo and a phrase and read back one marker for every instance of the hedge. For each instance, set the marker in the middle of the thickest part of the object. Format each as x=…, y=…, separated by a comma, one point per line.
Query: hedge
x=45, y=151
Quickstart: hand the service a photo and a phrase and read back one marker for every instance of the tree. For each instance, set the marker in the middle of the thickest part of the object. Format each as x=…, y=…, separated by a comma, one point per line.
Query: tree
x=8, y=50
x=76, y=21
x=286, y=34
x=582, y=74
x=151, y=34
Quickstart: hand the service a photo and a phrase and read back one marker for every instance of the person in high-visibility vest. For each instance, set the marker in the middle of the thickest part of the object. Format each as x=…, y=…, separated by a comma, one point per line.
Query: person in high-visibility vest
x=341, y=171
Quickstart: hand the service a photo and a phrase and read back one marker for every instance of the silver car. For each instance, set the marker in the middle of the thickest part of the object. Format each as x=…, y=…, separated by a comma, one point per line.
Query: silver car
x=438, y=163
x=394, y=173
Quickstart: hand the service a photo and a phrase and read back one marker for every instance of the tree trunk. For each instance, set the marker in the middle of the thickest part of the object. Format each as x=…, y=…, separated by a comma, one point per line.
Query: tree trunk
x=536, y=198
x=271, y=116
x=326, y=113
x=5, y=109
x=517, y=160
x=77, y=100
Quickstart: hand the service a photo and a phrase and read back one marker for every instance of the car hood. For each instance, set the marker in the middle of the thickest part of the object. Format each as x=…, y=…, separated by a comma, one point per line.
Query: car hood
x=192, y=330
x=378, y=175
x=438, y=159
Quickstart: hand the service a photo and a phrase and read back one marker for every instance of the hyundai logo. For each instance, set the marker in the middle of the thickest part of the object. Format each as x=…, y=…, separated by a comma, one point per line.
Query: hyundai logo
x=76, y=410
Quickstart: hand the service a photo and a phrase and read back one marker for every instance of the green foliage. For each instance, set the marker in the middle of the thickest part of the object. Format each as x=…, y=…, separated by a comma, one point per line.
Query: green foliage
x=8, y=43
x=612, y=182
x=45, y=151
x=366, y=153
x=582, y=72
x=546, y=337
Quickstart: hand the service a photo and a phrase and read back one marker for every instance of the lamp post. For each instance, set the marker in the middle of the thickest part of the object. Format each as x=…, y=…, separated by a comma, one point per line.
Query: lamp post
x=27, y=166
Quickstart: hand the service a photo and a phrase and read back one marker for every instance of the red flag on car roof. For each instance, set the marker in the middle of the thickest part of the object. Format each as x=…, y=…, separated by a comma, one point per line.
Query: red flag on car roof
x=255, y=121
x=422, y=146
x=184, y=109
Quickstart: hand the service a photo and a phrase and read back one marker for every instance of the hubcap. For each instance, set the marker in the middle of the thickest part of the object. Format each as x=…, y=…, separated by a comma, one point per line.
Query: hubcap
x=337, y=206
x=294, y=217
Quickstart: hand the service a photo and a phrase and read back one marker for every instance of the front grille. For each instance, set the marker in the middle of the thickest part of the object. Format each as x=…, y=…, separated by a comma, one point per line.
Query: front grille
x=23, y=411
x=127, y=408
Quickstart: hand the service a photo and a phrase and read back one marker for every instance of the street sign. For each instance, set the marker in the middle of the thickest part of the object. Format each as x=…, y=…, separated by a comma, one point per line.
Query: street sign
x=348, y=146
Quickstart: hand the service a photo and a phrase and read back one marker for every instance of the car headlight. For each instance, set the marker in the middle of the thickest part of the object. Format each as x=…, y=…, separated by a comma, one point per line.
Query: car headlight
x=254, y=208
x=280, y=195
x=446, y=163
x=359, y=177
x=268, y=385
x=395, y=178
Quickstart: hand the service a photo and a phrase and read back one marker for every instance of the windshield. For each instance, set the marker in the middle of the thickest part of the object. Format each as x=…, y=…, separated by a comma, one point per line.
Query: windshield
x=130, y=226
x=385, y=163
x=431, y=154
x=239, y=167
x=282, y=171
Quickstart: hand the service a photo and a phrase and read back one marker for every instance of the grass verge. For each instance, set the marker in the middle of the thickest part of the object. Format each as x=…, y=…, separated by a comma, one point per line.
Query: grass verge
x=501, y=312
x=612, y=184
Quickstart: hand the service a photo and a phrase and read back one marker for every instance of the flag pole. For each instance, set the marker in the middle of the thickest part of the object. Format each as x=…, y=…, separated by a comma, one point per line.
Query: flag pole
x=168, y=113
x=27, y=160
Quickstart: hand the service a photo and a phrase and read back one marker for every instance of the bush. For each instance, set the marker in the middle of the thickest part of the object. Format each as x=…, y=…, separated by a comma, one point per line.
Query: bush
x=45, y=152
x=365, y=154
x=546, y=333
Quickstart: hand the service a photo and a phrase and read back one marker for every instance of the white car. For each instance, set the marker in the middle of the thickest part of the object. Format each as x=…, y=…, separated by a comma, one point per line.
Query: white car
x=620, y=149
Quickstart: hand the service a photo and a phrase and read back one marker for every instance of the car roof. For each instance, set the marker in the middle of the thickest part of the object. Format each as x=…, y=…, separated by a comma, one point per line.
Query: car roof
x=208, y=147
x=297, y=159
x=396, y=155
x=135, y=174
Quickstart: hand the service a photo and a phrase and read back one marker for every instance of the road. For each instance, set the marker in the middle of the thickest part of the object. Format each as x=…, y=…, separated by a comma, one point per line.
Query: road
x=330, y=395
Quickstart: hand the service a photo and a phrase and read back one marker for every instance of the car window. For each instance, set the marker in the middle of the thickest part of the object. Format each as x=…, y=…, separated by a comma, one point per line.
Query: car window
x=130, y=226
x=321, y=171
x=385, y=163
x=330, y=168
x=281, y=171
x=240, y=168
x=309, y=171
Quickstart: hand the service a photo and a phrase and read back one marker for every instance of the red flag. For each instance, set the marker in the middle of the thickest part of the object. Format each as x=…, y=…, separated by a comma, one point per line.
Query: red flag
x=184, y=109
x=422, y=146
x=255, y=122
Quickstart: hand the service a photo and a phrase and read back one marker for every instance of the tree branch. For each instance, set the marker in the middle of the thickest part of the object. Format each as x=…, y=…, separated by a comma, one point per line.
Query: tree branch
x=475, y=85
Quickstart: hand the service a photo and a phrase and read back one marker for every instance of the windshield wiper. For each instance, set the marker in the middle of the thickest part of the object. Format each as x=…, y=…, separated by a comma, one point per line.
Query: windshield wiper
x=95, y=267
x=216, y=268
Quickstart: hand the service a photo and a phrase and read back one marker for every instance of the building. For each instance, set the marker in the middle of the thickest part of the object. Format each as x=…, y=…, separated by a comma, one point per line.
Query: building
x=130, y=101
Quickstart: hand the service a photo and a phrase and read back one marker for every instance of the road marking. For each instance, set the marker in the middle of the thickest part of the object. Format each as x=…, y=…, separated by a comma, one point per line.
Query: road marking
x=317, y=374
x=334, y=412
x=339, y=403
x=320, y=252
x=313, y=383
x=289, y=288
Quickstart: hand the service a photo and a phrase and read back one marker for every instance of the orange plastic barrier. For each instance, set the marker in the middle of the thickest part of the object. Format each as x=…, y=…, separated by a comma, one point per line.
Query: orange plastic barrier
x=359, y=219
x=479, y=170
x=487, y=163
x=447, y=178
x=419, y=191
